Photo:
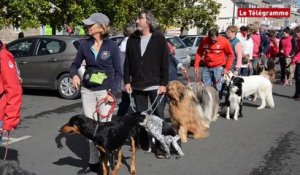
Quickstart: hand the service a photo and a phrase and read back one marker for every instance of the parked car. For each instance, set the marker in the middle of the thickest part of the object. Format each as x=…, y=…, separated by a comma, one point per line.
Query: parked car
x=181, y=52
x=117, y=38
x=44, y=62
x=192, y=42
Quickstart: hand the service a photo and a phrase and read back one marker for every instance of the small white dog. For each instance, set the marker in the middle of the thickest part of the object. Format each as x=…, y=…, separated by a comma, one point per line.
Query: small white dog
x=234, y=99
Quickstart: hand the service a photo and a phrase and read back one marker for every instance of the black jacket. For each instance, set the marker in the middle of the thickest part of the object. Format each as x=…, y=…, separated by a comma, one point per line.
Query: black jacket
x=152, y=68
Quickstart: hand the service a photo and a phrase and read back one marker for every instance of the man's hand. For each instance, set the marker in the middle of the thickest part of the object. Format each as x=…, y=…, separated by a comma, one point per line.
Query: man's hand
x=183, y=69
x=162, y=90
x=128, y=88
x=76, y=82
x=197, y=70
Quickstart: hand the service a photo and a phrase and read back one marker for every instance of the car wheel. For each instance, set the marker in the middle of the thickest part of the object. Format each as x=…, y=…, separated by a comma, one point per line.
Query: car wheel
x=65, y=88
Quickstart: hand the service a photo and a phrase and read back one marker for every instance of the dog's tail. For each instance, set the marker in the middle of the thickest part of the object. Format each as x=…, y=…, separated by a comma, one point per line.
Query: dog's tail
x=269, y=98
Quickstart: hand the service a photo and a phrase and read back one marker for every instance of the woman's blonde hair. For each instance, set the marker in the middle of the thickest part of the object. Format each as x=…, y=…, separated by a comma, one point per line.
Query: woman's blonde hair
x=104, y=29
x=232, y=29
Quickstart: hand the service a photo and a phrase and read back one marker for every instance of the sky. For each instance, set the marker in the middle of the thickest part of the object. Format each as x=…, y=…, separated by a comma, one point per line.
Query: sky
x=298, y=3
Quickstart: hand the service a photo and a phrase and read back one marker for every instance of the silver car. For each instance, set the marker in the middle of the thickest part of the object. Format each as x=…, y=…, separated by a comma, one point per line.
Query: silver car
x=44, y=62
x=181, y=52
x=192, y=42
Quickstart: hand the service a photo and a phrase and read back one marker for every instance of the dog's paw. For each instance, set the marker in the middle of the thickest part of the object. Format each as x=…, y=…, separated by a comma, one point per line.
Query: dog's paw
x=133, y=172
x=260, y=108
x=235, y=118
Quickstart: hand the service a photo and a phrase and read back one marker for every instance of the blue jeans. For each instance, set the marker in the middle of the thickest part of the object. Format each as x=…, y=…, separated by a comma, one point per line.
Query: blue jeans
x=213, y=77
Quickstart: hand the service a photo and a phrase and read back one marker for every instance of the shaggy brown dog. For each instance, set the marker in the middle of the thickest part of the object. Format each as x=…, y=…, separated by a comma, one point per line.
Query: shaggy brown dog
x=183, y=112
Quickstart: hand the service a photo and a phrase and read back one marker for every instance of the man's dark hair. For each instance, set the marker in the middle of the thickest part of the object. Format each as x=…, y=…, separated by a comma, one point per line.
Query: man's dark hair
x=150, y=19
x=287, y=30
x=244, y=28
x=213, y=32
x=21, y=35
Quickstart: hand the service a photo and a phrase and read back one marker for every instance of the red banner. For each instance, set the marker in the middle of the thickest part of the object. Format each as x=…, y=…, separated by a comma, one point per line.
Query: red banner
x=264, y=12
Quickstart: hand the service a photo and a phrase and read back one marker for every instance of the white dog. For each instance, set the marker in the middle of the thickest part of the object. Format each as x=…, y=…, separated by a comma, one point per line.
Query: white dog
x=256, y=85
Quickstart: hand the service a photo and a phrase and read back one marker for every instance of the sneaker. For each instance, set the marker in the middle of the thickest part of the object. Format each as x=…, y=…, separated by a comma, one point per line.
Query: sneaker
x=95, y=168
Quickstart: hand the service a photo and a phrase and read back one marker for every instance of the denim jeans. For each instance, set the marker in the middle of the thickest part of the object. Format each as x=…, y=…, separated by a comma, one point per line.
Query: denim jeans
x=213, y=77
x=254, y=62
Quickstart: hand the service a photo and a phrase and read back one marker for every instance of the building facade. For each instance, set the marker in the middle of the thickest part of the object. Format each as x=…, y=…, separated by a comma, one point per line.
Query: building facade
x=228, y=13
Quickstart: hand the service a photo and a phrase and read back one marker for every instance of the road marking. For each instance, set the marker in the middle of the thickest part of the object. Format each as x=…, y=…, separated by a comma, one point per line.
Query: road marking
x=13, y=140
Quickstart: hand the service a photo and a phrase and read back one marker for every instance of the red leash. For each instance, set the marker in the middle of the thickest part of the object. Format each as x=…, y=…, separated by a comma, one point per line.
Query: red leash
x=111, y=110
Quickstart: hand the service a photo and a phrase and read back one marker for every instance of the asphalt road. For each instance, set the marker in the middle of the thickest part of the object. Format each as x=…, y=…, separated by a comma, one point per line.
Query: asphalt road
x=263, y=142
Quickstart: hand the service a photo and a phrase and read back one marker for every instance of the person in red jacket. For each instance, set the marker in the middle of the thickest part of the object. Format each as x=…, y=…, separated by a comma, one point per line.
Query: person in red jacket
x=10, y=91
x=217, y=58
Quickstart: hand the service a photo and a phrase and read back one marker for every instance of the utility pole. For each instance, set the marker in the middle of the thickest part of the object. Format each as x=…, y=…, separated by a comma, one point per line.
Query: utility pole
x=233, y=13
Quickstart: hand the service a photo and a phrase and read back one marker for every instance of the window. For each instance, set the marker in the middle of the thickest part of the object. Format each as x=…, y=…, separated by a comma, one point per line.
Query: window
x=189, y=41
x=50, y=46
x=177, y=42
x=199, y=39
x=22, y=48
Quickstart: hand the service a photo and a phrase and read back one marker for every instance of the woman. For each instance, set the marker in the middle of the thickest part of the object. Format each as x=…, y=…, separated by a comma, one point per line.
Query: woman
x=247, y=44
x=102, y=77
x=236, y=45
x=296, y=61
x=287, y=48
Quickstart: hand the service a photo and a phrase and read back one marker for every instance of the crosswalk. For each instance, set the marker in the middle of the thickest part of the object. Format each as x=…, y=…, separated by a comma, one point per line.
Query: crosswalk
x=13, y=140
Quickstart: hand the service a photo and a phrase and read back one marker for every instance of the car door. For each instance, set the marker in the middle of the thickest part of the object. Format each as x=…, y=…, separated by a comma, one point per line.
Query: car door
x=23, y=50
x=44, y=65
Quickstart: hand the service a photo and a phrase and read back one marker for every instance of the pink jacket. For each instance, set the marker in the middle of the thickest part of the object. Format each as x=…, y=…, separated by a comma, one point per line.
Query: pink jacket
x=256, y=43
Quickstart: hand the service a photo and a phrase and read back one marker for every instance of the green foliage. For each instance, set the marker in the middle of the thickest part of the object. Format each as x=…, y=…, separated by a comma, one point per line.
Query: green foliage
x=57, y=13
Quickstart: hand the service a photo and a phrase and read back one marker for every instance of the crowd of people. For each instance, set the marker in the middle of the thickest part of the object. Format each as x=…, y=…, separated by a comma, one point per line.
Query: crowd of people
x=144, y=63
x=248, y=51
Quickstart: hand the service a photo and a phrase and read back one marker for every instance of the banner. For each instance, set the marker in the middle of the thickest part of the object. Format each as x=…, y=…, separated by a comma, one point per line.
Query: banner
x=264, y=12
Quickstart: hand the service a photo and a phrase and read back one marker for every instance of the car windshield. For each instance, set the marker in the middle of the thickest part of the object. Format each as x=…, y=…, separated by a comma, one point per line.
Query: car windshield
x=176, y=42
x=189, y=41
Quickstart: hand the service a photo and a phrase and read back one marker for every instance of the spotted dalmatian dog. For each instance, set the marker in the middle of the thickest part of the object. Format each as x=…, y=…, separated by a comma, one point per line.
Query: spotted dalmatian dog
x=155, y=126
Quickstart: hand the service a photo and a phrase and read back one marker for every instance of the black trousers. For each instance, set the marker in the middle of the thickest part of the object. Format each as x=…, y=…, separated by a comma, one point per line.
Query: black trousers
x=141, y=100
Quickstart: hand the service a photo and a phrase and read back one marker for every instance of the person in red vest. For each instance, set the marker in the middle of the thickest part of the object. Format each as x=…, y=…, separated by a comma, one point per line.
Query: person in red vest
x=10, y=91
x=217, y=59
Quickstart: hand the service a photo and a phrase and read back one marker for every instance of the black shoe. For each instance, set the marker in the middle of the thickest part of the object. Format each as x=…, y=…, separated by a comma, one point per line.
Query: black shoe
x=91, y=168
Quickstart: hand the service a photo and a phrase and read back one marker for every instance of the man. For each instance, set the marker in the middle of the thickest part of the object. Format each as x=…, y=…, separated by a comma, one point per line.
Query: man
x=146, y=65
x=217, y=58
x=10, y=92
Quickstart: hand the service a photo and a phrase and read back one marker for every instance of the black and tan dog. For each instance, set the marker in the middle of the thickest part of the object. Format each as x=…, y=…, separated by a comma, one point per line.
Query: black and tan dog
x=108, y=137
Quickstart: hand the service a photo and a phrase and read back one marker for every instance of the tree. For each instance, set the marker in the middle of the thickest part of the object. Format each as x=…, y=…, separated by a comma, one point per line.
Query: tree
x=198, y=13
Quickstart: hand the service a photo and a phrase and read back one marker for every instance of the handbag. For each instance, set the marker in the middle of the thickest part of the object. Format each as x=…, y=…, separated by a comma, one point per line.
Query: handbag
x=92, y=78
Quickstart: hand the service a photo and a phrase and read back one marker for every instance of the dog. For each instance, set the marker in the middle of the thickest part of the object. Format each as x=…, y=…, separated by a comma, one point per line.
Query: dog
x=108, y=137
x=289, y=71
x=155, y=126
x=261, y=87
x=269, y=71
x=234, y=99
x=184, y=112
x=257, y=85
x=11, y=168
x=208, y=100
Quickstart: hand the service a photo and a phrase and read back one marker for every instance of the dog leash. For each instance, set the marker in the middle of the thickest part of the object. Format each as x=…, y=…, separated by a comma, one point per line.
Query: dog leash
x=6, y=143
x=111, y=110
x=185, y=74
x=150, y=108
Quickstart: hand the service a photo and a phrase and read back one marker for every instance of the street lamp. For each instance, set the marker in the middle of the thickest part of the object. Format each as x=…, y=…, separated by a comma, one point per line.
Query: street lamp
x=233, y=13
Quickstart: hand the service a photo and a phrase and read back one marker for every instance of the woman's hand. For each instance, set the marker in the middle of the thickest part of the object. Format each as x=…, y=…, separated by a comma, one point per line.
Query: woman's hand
x=76, y=82
x=110, y=98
